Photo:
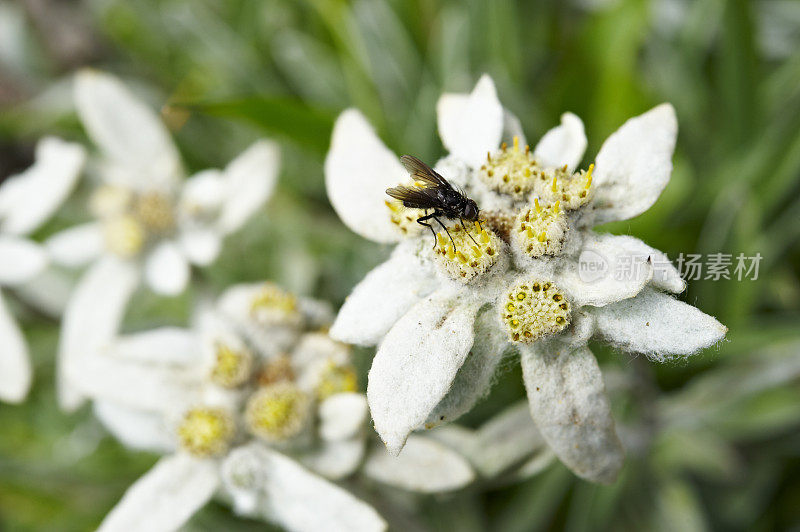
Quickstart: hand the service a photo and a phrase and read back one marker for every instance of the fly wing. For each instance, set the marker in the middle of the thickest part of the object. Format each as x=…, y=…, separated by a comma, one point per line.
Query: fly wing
x=422, y=172
x=416, y=198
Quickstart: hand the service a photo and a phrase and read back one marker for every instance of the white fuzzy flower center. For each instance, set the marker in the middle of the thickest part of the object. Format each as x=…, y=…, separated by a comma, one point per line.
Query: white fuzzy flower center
x=205, y=431
x=278, y=412
x=512, y=172
x=272, y=305
x=336, y=378
x=540, y=230
x=232, y=366
x=534, y=308
x=571, y=190
x=465, y=254
x=132, y=220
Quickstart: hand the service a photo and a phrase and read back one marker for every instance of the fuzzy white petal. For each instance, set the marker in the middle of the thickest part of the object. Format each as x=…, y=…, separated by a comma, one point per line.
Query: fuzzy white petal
x=417, y=363
x=335, y=459
x=48, y=292
x=249, y=182
x=22, y=259
x=568, y=402
x=634, y=165
x=382, y=297
x=31, y=197
x=165, y=497
x=15, y=364
x=473, y=380
x=342, y=416
x=564, y=144
x=424, y=466
x=204, y=192
x=472, y=126
x=135, y=428
x=296, y=498
x=657, y=325
x=92, y=318
x=167, y=270
x=76, y=246
x=665, y=275
x=605, y=272
x=128, y=132
x=135, y=384
x=200, y=246
x=165, y=345
x=359, y=161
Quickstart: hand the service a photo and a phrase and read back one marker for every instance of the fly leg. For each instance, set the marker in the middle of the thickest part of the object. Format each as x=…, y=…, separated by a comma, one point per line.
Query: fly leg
x=422, y=221
x=435, y=216
x=465, y=230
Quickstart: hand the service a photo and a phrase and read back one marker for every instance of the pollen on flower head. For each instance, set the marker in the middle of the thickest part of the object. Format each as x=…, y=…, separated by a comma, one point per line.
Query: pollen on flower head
x=534, y=308
x=404, y=218
x=336, y=378
x=474, y=252
x=540, y=230
x=276, y=370
x=232, y=365
x=510, y=171
x=124, y=236
x=154, y=210
x=205, y=431
x=271, y=305
x=571, y=190
x=278, y=412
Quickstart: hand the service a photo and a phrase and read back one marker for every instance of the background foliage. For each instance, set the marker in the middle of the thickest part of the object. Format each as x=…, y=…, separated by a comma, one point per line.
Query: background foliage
x=718, y=434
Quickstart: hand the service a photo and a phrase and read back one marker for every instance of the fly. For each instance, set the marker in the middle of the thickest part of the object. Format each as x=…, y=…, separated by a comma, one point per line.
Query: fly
x=437, y=194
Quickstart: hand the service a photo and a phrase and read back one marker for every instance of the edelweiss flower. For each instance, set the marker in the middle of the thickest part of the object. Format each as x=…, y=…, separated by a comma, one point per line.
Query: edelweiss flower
x=148, y=219
x=28, y=200
x=535, y=278
x=248, y=403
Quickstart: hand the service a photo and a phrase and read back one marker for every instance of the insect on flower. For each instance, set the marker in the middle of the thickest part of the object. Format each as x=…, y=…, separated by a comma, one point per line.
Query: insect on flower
x=433, y=192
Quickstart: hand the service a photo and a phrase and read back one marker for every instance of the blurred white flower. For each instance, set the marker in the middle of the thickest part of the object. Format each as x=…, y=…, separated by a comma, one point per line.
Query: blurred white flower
x=148, y=219
x=27, y=201
x=444, y=317
x=252, y=406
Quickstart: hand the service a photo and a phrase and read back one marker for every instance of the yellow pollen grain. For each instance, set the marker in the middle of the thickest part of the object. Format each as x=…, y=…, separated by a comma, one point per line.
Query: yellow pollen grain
x=471, y=251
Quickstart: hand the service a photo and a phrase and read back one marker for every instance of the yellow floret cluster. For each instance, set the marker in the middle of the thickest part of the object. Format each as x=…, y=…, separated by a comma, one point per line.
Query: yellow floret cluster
x=512, y=172
x=532, y=309
x=471, y=252
x=205, y=431
x=278, y=412
x=571, y=190
x=232, y=366
x=540, y=230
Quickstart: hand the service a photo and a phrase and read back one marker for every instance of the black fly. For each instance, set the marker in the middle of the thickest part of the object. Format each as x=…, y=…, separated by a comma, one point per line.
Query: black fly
x=436, y=194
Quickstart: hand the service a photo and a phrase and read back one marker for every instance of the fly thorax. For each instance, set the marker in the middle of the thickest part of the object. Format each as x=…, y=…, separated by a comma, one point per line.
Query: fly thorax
x=539, y=230
x=510, y=171
x=532, y=309
x=467, y=252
